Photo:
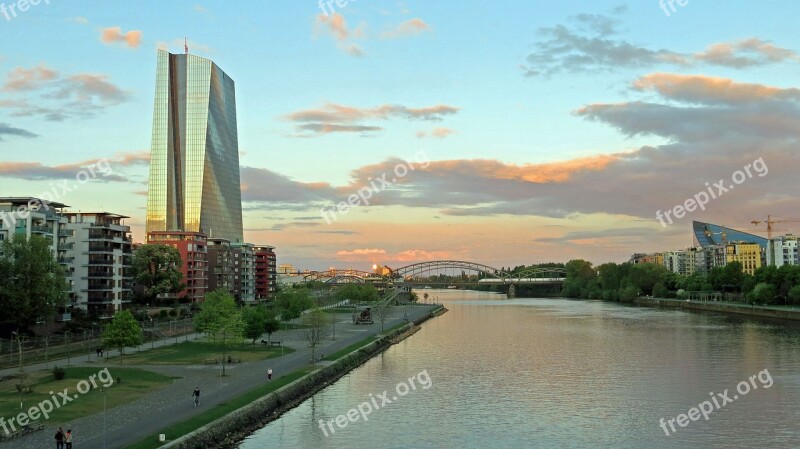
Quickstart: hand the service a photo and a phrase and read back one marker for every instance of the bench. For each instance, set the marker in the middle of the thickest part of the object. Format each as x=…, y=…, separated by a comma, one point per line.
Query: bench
x=271, y=343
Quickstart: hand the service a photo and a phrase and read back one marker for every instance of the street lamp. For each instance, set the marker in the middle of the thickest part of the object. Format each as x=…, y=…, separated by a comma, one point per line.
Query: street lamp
x=19, y=343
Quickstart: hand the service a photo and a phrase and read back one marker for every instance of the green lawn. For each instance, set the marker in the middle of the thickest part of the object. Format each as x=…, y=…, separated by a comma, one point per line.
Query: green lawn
x=178, y=430
x=135, y=384
x=198, y=352
x=350, y=348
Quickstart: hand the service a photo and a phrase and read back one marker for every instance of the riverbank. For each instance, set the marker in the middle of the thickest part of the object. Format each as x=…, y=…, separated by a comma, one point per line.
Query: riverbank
x=231, y=429
x=722, y=307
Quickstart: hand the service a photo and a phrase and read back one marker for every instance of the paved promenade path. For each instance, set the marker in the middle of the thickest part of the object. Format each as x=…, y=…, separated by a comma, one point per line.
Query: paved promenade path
x=128, y=423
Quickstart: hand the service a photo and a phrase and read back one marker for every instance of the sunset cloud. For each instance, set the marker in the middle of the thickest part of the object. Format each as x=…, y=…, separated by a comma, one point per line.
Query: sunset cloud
x=114, y=35
x=56, y=97
x=335, y=26
x=333, y=117
x=439, y=133
x=591, y=42
x=408, y=28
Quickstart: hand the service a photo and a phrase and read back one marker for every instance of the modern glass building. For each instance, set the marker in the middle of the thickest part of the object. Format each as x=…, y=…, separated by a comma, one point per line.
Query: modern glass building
x=708, y=234
x=194, y=156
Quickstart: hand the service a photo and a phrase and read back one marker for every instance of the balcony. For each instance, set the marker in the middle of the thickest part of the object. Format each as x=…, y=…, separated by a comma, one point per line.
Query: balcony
x=41, y=229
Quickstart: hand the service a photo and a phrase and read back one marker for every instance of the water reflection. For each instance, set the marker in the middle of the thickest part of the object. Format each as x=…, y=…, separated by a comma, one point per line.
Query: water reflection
x=550, y=373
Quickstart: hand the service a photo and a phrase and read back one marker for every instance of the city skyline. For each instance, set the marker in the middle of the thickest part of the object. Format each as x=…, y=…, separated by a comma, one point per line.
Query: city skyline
x=546, y=137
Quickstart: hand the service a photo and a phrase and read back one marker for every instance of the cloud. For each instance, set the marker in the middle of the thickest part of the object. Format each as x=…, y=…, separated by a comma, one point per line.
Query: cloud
x=439, y=133
x=703, y=128
x=335, y=26
x=58, y=97
x=40, y=172
x=747, y=53
x=114, y=35
x=84, y=88
x=361, y=252
x=703, y=89
x=333, y=117
x=592, y=43
x=408, y=28
x=328, y=128
x=21, y=79
x=8, y=130
x=81, y=20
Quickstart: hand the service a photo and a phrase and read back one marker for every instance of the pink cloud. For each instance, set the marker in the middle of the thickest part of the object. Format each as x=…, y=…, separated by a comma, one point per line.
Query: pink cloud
x=112, y=35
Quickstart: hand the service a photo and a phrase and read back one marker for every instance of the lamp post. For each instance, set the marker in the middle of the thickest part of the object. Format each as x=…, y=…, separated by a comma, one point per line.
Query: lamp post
x=19, y=344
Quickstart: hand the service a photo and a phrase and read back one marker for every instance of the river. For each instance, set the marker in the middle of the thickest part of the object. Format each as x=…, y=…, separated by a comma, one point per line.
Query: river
x=556, y=373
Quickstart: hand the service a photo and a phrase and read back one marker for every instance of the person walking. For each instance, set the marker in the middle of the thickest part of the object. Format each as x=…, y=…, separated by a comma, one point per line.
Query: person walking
x=269, y=374
x=196, y=396
x=68, y=439
x=60, y=439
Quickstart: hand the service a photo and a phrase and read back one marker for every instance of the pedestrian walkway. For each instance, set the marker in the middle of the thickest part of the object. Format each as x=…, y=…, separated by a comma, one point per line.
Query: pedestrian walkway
x=128, y=423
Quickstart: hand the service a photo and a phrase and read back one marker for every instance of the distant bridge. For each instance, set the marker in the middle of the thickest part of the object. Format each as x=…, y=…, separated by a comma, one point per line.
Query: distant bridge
x=425, y=273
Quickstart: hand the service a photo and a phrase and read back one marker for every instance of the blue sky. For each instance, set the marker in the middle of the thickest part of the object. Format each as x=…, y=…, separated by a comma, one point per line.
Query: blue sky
x=481, y=88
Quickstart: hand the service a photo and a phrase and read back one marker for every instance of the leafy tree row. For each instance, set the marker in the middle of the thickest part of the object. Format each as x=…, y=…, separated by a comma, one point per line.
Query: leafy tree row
x=625, y=282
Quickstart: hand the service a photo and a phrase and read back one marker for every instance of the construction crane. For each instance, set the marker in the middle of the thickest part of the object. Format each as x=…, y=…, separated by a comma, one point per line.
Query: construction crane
x=770, y=230
x=771, y=222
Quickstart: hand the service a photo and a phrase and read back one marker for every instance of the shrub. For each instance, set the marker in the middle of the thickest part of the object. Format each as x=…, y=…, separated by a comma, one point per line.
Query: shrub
x=59, y=373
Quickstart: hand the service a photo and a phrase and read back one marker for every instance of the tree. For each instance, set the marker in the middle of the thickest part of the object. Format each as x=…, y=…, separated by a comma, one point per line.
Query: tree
x=159, y=268
x=291, y=303
x=32, y=283
x=660, y=291
x=794, y=294
x=628, y=294
x=255, y=319
x=123, y=331
x=315, y=324
x=382, y=312
x=271, y=324
x=219, y=316
x=763, y=293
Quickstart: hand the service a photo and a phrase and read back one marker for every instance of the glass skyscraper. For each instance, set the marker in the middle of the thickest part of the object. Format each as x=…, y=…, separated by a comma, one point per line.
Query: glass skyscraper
x=194, y=156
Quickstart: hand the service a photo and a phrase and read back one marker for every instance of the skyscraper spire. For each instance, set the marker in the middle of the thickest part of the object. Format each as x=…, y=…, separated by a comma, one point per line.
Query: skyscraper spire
x=186, y=45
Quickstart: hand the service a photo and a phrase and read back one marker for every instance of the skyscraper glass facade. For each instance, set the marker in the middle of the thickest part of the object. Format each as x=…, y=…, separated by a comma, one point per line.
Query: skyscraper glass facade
x=194, y=156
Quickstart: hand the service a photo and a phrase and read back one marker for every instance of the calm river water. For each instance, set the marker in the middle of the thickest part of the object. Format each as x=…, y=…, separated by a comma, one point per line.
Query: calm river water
x=552, y=373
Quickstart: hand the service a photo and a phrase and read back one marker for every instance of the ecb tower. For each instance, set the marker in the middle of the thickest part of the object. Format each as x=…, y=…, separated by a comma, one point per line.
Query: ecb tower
x=194, y=156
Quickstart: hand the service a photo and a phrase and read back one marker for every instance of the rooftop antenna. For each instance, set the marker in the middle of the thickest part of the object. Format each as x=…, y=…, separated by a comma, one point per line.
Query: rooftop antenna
x=186, y=45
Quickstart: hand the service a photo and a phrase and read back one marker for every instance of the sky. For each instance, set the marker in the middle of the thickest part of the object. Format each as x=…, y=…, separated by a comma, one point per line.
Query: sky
x=503, y=133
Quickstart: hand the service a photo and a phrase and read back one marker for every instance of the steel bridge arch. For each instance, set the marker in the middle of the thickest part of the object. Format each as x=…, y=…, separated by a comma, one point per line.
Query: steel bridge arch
x=434, y=265
x=414, y=270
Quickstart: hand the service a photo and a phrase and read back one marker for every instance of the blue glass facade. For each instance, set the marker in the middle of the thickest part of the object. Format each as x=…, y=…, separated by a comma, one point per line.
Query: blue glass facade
x=708, y=234
x=194, y=163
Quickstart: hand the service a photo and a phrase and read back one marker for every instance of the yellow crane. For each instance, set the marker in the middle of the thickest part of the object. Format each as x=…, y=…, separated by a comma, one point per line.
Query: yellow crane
x=769, y=221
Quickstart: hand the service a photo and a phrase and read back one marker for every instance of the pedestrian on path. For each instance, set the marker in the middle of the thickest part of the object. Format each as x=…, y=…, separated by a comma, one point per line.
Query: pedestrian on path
x=269, y=374
x=196, y=396
x=68, y=439
x=60, y=439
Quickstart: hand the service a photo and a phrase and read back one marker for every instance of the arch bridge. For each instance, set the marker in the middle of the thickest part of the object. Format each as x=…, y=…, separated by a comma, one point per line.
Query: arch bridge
x=426, y=273
x=434, y=272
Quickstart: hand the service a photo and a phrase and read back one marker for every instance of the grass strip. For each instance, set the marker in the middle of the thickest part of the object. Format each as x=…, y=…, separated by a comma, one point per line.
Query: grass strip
x=182, y=428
